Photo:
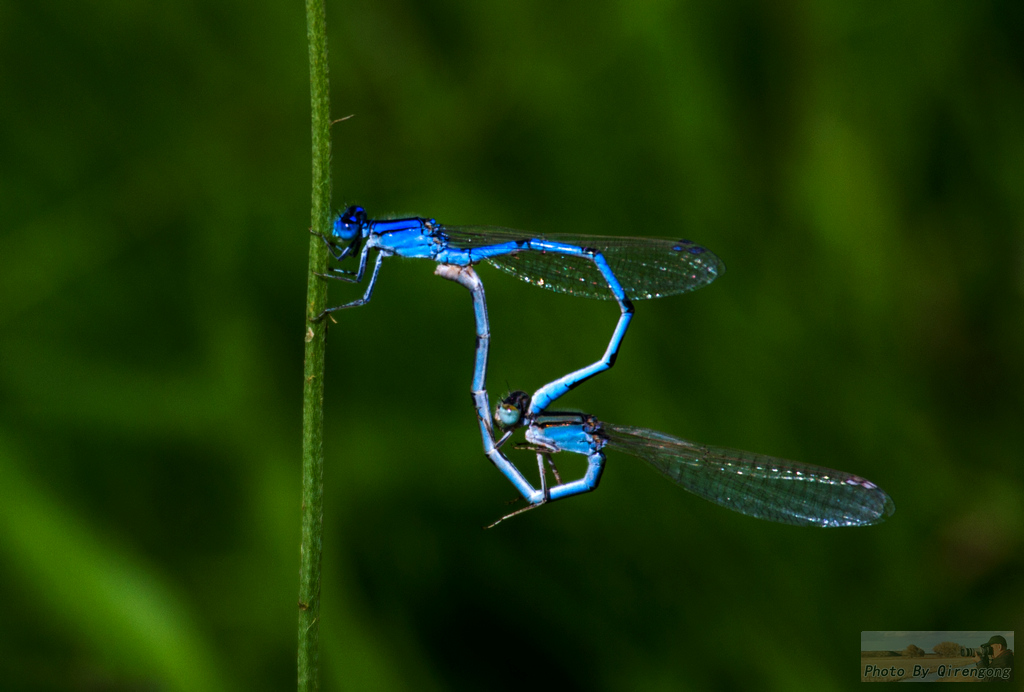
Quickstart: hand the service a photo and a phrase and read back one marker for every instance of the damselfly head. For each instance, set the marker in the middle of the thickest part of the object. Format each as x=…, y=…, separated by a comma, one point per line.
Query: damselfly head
x=349, y=223
x=511, y=410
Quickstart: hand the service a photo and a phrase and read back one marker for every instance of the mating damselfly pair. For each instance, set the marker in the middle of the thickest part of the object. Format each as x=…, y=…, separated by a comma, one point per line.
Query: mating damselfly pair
x=611, y=268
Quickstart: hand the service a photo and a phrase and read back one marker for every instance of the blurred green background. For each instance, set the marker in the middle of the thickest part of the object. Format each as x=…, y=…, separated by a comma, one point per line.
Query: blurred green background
x=859, y=167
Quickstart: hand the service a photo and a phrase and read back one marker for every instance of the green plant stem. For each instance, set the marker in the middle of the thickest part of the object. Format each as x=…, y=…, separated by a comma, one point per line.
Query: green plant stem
x=313, y=388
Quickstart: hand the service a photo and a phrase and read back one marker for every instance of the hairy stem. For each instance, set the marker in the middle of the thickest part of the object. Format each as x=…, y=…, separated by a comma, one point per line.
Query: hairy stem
x=313, y=388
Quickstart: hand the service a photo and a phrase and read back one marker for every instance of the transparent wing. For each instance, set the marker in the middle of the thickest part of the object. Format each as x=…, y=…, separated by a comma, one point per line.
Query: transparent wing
x=760, y=486
x=646, y=267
